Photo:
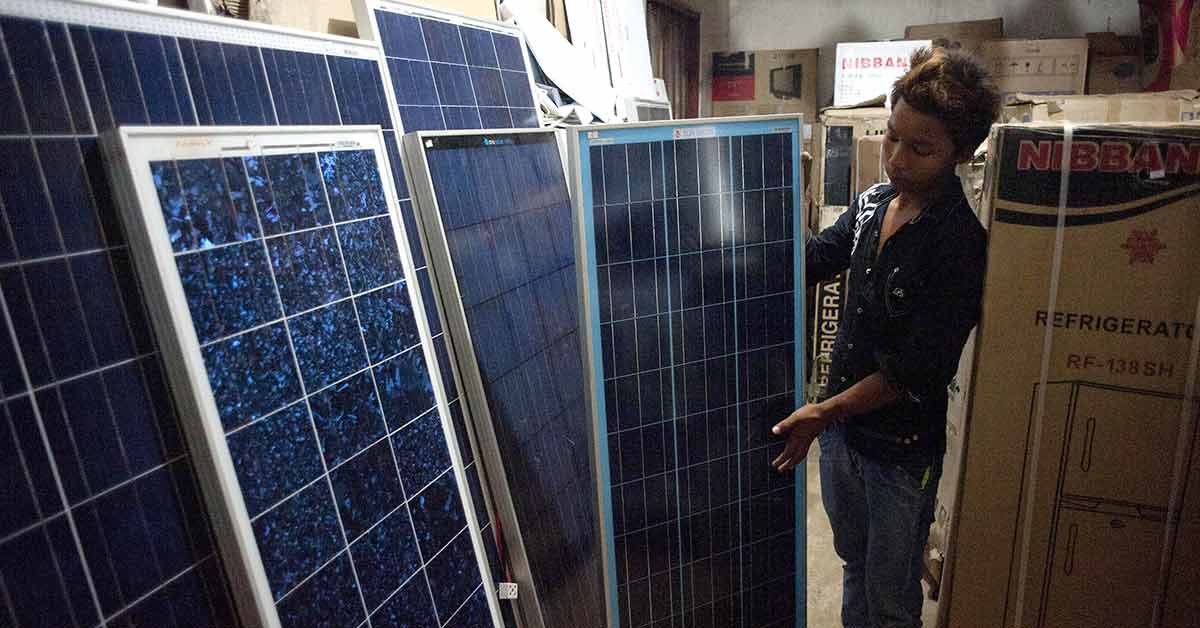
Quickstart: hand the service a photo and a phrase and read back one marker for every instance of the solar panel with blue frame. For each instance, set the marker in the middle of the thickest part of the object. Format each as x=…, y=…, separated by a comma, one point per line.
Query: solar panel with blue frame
x=117, y=472
x=696, y=335
x=499, y=222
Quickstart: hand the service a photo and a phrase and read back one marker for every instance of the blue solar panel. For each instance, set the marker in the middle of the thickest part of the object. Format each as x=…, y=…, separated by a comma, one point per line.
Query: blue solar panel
x=697, y=352
x=451, y=72
x=79, y=325
x=499, y=225
x=291, y=273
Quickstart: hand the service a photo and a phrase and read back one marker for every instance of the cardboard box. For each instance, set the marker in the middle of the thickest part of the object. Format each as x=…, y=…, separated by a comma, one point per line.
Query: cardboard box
x=1174, y=106
x=829, y=298
x=1041, y=67
x=868, y=163
x=965, y=36
x=1114, y=64
x=973, y=175
x=835, y=144
x=759, y=82
x=941, y=531
x=864, y=71
x=1085, y=454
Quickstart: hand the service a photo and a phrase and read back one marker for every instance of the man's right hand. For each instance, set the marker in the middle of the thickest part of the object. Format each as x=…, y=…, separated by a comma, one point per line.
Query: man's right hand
x=800, y=427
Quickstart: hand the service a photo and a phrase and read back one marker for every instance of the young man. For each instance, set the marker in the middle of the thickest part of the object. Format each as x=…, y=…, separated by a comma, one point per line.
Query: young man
x=916, y=254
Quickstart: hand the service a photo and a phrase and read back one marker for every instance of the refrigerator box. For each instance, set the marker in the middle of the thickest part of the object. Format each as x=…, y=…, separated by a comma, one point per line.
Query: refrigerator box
x=1040, y=67
x=835, y=142
x=1173, y=106
x=1079, y=497
x=864, y=71
x=828, y=300
x=758, y=82
x=965, y=36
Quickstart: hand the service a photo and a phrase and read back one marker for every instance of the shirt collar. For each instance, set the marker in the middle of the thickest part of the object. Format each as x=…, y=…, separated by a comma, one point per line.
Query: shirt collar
x=950, y=197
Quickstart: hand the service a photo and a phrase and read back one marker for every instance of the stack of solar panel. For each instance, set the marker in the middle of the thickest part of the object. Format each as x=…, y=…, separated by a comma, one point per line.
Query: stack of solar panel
x=263, y=424
x=102, y=518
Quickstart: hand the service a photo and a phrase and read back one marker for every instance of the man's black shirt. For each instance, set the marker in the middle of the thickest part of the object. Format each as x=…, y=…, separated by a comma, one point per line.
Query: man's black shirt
x=908, y=313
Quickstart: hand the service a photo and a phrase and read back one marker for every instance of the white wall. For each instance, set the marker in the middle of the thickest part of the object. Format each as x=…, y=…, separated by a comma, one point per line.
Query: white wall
x=759, y=24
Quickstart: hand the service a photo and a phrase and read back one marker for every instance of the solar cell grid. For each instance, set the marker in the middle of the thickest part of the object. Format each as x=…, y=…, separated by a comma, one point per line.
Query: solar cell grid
x=316, y=412
x=694, y=250
x=497, y=218
x=452, y=72
x=74, y=318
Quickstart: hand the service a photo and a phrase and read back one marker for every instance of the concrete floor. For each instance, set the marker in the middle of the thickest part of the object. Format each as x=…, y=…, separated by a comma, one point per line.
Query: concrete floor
x=824, y=566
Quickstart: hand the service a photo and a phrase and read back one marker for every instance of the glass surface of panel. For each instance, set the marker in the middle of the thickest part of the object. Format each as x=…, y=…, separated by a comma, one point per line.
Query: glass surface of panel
x=694, y=264
x=82, y=387
x=451, y=72
x=288, y=266
x=504, y=233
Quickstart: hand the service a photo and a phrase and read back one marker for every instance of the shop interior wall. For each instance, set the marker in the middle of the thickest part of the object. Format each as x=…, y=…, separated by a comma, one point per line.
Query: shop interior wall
x=759, y=24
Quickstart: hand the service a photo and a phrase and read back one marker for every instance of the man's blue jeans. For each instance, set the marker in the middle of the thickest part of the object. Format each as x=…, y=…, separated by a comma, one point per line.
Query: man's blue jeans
x=880, y=514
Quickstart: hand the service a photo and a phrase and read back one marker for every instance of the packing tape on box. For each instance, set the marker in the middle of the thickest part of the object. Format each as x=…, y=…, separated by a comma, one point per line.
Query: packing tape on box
x=1187, y=431
x=1040, y=401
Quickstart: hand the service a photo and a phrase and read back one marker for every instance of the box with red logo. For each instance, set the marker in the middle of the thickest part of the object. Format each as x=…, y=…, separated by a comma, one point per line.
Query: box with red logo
x=757, y=82
x=864, y=71
x=1079, y=502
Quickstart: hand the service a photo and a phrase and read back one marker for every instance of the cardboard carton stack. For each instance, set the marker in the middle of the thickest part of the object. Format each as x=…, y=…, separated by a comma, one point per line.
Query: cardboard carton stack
x=1114, y=64
x=835, y=142
x=758, y=82
x=1172, y=106
x=965, y=36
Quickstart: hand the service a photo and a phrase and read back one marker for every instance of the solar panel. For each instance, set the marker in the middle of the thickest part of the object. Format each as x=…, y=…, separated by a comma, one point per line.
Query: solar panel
x=690, y=262
x=276, y=282
x=428, y=53
x=449, y=71
x=497, y=221
x=95, y=467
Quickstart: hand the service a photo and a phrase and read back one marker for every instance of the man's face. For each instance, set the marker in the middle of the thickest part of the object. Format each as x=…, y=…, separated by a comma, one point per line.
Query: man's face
x=917, y=151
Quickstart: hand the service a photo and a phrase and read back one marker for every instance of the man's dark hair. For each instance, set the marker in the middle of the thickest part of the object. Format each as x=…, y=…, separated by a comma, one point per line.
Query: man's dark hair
x=954, y=88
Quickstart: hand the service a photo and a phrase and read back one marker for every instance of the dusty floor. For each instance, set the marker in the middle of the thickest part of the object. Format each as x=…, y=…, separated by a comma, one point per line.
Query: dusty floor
x=824, y=566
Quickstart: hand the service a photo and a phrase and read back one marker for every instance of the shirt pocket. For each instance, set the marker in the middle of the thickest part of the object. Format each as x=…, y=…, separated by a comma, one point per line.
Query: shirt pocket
x=900, y=291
